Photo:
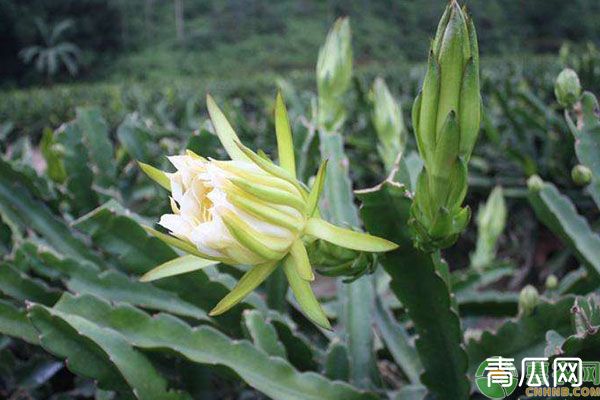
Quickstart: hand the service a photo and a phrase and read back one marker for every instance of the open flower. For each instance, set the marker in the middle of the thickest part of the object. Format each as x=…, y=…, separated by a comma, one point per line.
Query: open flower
x=249, y=211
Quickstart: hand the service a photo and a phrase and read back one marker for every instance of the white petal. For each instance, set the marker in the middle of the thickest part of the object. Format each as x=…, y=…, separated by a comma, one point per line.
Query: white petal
x=177, y=225
x=176, y=186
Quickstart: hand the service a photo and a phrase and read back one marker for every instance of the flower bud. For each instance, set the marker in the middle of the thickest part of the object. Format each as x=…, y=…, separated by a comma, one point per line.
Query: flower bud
x=446, y=117
x=334, y=74
x=581, y=175
x=386, y=116
x=551, y=282
x=491, y=220
x=529, y=298
x=535, y=183
x=567, y=88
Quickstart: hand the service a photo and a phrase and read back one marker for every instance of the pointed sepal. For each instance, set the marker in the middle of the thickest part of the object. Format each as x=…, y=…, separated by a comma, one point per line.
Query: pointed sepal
x=247, y=283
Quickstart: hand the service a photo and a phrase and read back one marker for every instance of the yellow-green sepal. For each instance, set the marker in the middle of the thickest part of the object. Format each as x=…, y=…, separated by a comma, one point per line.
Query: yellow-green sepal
x=156, y=175
x=304, y=294
x=266, y=246
x=359, y=241
x=263, y=211
x=224, y=131
x=269, y=167
x=301, y=261
x=315, y=191
x=470, y=109
x=269, y=193
x=283, y=130
x=177, y=266
x=250, y=281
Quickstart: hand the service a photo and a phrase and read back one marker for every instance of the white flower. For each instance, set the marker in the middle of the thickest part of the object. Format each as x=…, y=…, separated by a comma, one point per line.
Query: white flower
x=206, y=193
x=249, y=211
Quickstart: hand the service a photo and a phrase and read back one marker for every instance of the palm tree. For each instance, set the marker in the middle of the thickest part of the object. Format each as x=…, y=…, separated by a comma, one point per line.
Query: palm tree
x=54, y=51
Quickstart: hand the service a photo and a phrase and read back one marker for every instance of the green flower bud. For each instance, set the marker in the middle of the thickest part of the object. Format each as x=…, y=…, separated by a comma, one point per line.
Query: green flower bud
x=567, y=88
x=581, y=175
x=334, y=74
x=551, y=282
x=535, y=183
x=386, y=115
x=335, y=261
x=491, y=220
x=446, y=117
x=529, y=298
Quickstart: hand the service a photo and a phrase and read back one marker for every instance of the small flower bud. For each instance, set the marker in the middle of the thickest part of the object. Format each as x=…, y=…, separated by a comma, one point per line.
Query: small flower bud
x=551, y=282
x=581, y=175
x=491, y=220
x=567, y=88
x=386, y=115
x=334, y=74
x=529, y=298
x=535, y=183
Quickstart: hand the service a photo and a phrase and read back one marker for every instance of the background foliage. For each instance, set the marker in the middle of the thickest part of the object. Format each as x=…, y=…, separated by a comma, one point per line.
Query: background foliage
x=72, y=202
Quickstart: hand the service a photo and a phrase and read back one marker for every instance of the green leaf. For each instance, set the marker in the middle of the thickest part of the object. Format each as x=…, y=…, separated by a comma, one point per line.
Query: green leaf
x=119, y=235
x=285, y=144
x=398, y=342
x=411, y=392
x=80, y=177
x=585, y=343
x=95, y=131
x=224, y=130
x=101, y=354
x=177, y=266
x=523, y=337
x=115, y=286
x=275, y=377
x=304, y=294
x=14, y=322
x=19, y=286
x=558, y=213
x=17, y=202
x=346, y=238
x=263, y=334
x=156, y=175
x=250, y=281
x=587, y=143
x=423, y=292
x=337, y=365
x=137, y=140
x=301, y=352
x=487, y=303
x=276, y=288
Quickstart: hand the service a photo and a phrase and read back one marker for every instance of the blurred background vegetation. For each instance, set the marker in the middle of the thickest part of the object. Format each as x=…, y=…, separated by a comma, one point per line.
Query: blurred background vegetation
x=89, y=86
x=118, y=54
x=161, y=40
